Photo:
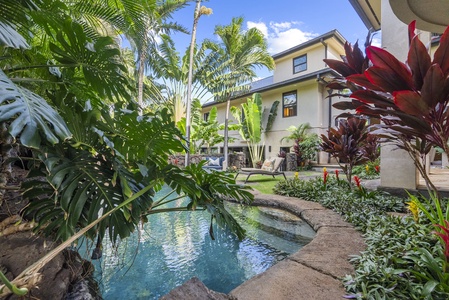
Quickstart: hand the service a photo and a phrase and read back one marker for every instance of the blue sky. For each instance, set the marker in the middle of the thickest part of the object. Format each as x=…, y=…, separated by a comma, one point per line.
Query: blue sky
x=285, y=23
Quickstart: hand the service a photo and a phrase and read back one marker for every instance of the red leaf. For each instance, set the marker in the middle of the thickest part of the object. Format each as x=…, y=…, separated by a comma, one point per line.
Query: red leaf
x=355, y=57
x=371, y=97
x=343, y=105
x=360, y=79
x=335, y=86
x=411, y=103
x=434, y=89
x=370, y=111
x=419, y=61
x=441, y=56
x=384, y=60
x=411, y=31
x=414, y=122
x=406, y=130
x=386, y=80
x=339, y=66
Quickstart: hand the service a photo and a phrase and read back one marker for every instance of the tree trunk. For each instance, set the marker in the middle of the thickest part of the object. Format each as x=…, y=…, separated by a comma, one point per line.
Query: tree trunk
x=196, y=16
x=6, y=152
x=226, y=135
x=140, y=87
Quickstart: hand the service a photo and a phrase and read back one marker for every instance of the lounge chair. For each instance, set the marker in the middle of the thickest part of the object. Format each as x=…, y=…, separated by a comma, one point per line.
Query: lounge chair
x=266, y=169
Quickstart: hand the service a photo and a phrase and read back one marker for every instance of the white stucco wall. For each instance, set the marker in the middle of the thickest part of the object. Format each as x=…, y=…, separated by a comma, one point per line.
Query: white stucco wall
x=397, y=168
x=284, y=65
x=312, y=105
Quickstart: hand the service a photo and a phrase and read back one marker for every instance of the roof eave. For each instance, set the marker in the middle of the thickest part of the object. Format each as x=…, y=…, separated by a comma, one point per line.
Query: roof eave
x=372, y=23
x=309, y=76
x=334, y=33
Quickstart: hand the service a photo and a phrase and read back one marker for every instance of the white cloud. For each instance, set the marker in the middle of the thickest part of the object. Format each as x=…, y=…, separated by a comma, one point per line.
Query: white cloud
x=282, y=36
x=259, y=25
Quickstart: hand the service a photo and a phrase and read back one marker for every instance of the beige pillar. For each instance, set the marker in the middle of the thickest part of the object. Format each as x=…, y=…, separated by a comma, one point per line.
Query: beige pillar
x=397, y=168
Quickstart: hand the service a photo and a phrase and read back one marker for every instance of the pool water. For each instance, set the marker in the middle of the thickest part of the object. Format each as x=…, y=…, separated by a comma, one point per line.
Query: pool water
x=174, y=247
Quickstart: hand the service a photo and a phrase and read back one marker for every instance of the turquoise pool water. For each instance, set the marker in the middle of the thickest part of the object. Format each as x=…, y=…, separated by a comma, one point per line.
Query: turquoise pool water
x=173, y=247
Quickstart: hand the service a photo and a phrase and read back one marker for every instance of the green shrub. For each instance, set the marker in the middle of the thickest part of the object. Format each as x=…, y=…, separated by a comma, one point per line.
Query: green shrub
x=367, y=171
x=337, y=196
x=403, y=258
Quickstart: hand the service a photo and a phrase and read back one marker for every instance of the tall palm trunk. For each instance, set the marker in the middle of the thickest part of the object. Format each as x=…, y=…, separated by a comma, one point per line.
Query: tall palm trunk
x=196, y=17
x=140, y=83
x=226, y=134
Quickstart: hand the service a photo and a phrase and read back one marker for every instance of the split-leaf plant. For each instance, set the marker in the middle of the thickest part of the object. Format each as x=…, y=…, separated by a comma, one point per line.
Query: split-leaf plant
x=66, y=96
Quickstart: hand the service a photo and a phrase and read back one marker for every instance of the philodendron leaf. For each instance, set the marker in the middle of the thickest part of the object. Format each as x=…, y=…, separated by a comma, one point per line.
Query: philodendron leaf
x=30, y=115
x=9, y=37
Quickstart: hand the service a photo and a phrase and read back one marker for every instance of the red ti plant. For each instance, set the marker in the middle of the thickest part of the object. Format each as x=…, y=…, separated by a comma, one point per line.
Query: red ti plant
x=410, y=99
x=348, y=143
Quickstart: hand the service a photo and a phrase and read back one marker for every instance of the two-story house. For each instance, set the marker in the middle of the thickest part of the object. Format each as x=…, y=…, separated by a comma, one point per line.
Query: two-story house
x=298, y=82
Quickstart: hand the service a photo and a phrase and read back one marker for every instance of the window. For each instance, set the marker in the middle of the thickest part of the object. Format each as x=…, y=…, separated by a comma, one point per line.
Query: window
x=299, y=63
x=206, y=116
x=289, y=104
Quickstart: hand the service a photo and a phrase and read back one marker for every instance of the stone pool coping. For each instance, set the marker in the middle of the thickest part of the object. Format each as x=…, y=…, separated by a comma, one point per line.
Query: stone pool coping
x=315, y=271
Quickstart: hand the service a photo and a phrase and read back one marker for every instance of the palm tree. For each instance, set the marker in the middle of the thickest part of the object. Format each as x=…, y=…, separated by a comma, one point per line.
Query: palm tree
x=199, y=11
x=172, y=71
x=236, y=57
x=305, y=144
x=140, y=22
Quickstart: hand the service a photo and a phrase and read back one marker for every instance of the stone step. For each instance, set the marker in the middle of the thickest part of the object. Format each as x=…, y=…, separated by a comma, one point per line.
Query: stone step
x=279, y=223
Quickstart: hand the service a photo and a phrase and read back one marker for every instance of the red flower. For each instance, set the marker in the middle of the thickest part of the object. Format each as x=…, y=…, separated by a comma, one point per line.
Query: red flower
x=357, y=182
x=377, y=169
x=325, y=174
x=444, y=237
x=336, y=174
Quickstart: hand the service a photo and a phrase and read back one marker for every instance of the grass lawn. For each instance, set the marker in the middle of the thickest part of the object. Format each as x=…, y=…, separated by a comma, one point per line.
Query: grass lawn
x=266, y=183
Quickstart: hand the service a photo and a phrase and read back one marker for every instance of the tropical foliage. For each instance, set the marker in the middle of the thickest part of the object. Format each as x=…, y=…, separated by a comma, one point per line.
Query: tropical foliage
x=250, y=119
x=351, y=144
x=411, y=101
x=305, y=144
x=67, y=97
x=235, y=59
x=403, y=258
x=204, y=132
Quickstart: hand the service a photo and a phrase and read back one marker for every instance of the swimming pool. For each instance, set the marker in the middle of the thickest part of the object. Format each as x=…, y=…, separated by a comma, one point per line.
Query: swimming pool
x=173, y=247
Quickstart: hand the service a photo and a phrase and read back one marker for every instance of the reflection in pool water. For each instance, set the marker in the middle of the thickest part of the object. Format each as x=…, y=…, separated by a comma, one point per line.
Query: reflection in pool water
x=173, y=247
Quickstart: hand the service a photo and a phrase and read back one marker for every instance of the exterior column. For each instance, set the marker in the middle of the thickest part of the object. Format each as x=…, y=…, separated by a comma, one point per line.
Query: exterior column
x=397, y=168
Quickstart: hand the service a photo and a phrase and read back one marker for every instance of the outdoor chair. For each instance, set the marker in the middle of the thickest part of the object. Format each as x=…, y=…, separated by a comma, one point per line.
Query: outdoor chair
x=269, y=167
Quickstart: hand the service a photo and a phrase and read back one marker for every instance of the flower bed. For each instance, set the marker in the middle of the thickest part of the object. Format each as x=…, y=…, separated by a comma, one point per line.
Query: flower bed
x=403, y=258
